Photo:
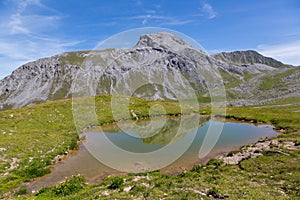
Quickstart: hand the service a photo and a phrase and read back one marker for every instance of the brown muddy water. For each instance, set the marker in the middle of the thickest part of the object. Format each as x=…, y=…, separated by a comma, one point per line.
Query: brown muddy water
x=169, y=144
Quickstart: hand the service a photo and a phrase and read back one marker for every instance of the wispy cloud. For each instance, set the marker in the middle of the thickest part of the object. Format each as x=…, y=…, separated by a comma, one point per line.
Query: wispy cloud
x=22, y=21
x=14, y=53
x=24, y=34
x=208, y=9
x=288, y=52
x=160, y=20
x=30, y=49
x=149, y=16
x=156, y=16
x=175, y=22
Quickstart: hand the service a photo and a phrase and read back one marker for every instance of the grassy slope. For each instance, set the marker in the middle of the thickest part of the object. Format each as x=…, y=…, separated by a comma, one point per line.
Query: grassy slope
x=276, y=81
x=31, y=137
x=268, y=84
x=273, y=176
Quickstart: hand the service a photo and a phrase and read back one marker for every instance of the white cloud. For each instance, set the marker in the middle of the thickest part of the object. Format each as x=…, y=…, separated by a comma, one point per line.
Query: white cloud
x=149, y=16
x=24, y=34
x=175, y=22
x=15, y=25
x=20, y=23
x=160, y=20
x=145, y=21
x=15, y=53
x=32, y=49
x=287, y=53
x=208, y=9
x=25, y=19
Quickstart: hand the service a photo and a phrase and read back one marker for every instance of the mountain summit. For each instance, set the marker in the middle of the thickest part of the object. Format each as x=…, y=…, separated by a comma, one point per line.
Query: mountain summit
x=162, y=40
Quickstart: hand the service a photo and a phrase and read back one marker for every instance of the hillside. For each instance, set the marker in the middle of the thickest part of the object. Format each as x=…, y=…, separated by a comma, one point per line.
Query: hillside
x=248, y=57
x=249, y=78
x=263, y=78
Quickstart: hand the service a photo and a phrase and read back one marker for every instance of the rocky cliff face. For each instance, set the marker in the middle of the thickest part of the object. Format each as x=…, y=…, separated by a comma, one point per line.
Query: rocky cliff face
x=160, y=62
x=155, y=58
x=263, y=79
x=36, y=82
x=248, y=57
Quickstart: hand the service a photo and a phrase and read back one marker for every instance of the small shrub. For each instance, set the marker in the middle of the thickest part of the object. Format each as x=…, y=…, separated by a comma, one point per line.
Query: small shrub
x=214, y=192
x=43, y=190
x=35, y=169
x=187, y=174
x=274, y=121
x=215, y=162
x=146, y=193
x=163, y=182
x=70, y=186
x=269, y=153
x=73, y=144
x=21, y=191
x=197, y=168
x=116, y=183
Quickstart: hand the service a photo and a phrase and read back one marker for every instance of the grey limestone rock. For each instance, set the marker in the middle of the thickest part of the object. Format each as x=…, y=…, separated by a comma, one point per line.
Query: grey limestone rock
x=162, y=63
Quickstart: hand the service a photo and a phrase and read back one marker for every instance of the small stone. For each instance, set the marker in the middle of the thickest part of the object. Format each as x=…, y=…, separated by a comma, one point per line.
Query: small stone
x=274, y=142
x=127, y=189
x=3, y=149
x=105, y=193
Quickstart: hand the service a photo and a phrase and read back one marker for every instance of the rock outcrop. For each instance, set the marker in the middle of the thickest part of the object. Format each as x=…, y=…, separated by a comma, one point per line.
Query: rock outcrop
x=248, y=57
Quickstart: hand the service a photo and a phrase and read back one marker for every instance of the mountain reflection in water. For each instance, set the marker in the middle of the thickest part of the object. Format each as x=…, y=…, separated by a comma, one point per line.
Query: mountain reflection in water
x=140, y=137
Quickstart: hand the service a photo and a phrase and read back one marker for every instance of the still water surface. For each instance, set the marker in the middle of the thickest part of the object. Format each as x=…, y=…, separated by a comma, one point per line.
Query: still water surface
x=136, y=139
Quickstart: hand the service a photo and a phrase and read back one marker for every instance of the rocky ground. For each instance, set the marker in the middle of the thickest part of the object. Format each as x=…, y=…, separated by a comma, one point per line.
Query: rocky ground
x=258, y=149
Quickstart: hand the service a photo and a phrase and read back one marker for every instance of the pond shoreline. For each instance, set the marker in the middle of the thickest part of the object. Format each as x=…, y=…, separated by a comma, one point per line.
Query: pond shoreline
x=64, y=157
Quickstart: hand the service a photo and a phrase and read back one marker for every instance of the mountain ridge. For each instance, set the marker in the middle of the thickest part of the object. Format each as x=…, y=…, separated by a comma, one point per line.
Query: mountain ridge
x=243, y=72
x=248, y=57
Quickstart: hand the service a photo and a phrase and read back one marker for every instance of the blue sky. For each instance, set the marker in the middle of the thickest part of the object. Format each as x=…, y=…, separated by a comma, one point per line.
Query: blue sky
x=32, y=29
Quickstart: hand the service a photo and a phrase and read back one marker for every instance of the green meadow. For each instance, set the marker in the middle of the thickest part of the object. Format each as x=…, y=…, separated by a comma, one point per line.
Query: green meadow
x=31, y=138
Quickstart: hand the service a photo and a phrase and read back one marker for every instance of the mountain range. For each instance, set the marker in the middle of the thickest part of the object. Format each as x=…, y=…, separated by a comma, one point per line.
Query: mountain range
x=152, y=66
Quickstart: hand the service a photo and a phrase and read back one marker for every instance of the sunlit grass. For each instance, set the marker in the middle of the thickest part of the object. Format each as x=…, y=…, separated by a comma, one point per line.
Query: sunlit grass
x=33, y=136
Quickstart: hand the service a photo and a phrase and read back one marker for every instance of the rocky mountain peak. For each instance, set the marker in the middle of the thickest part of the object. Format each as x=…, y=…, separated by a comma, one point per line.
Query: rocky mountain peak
x=247, y=57
x=155, y=55
x=162, y=40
